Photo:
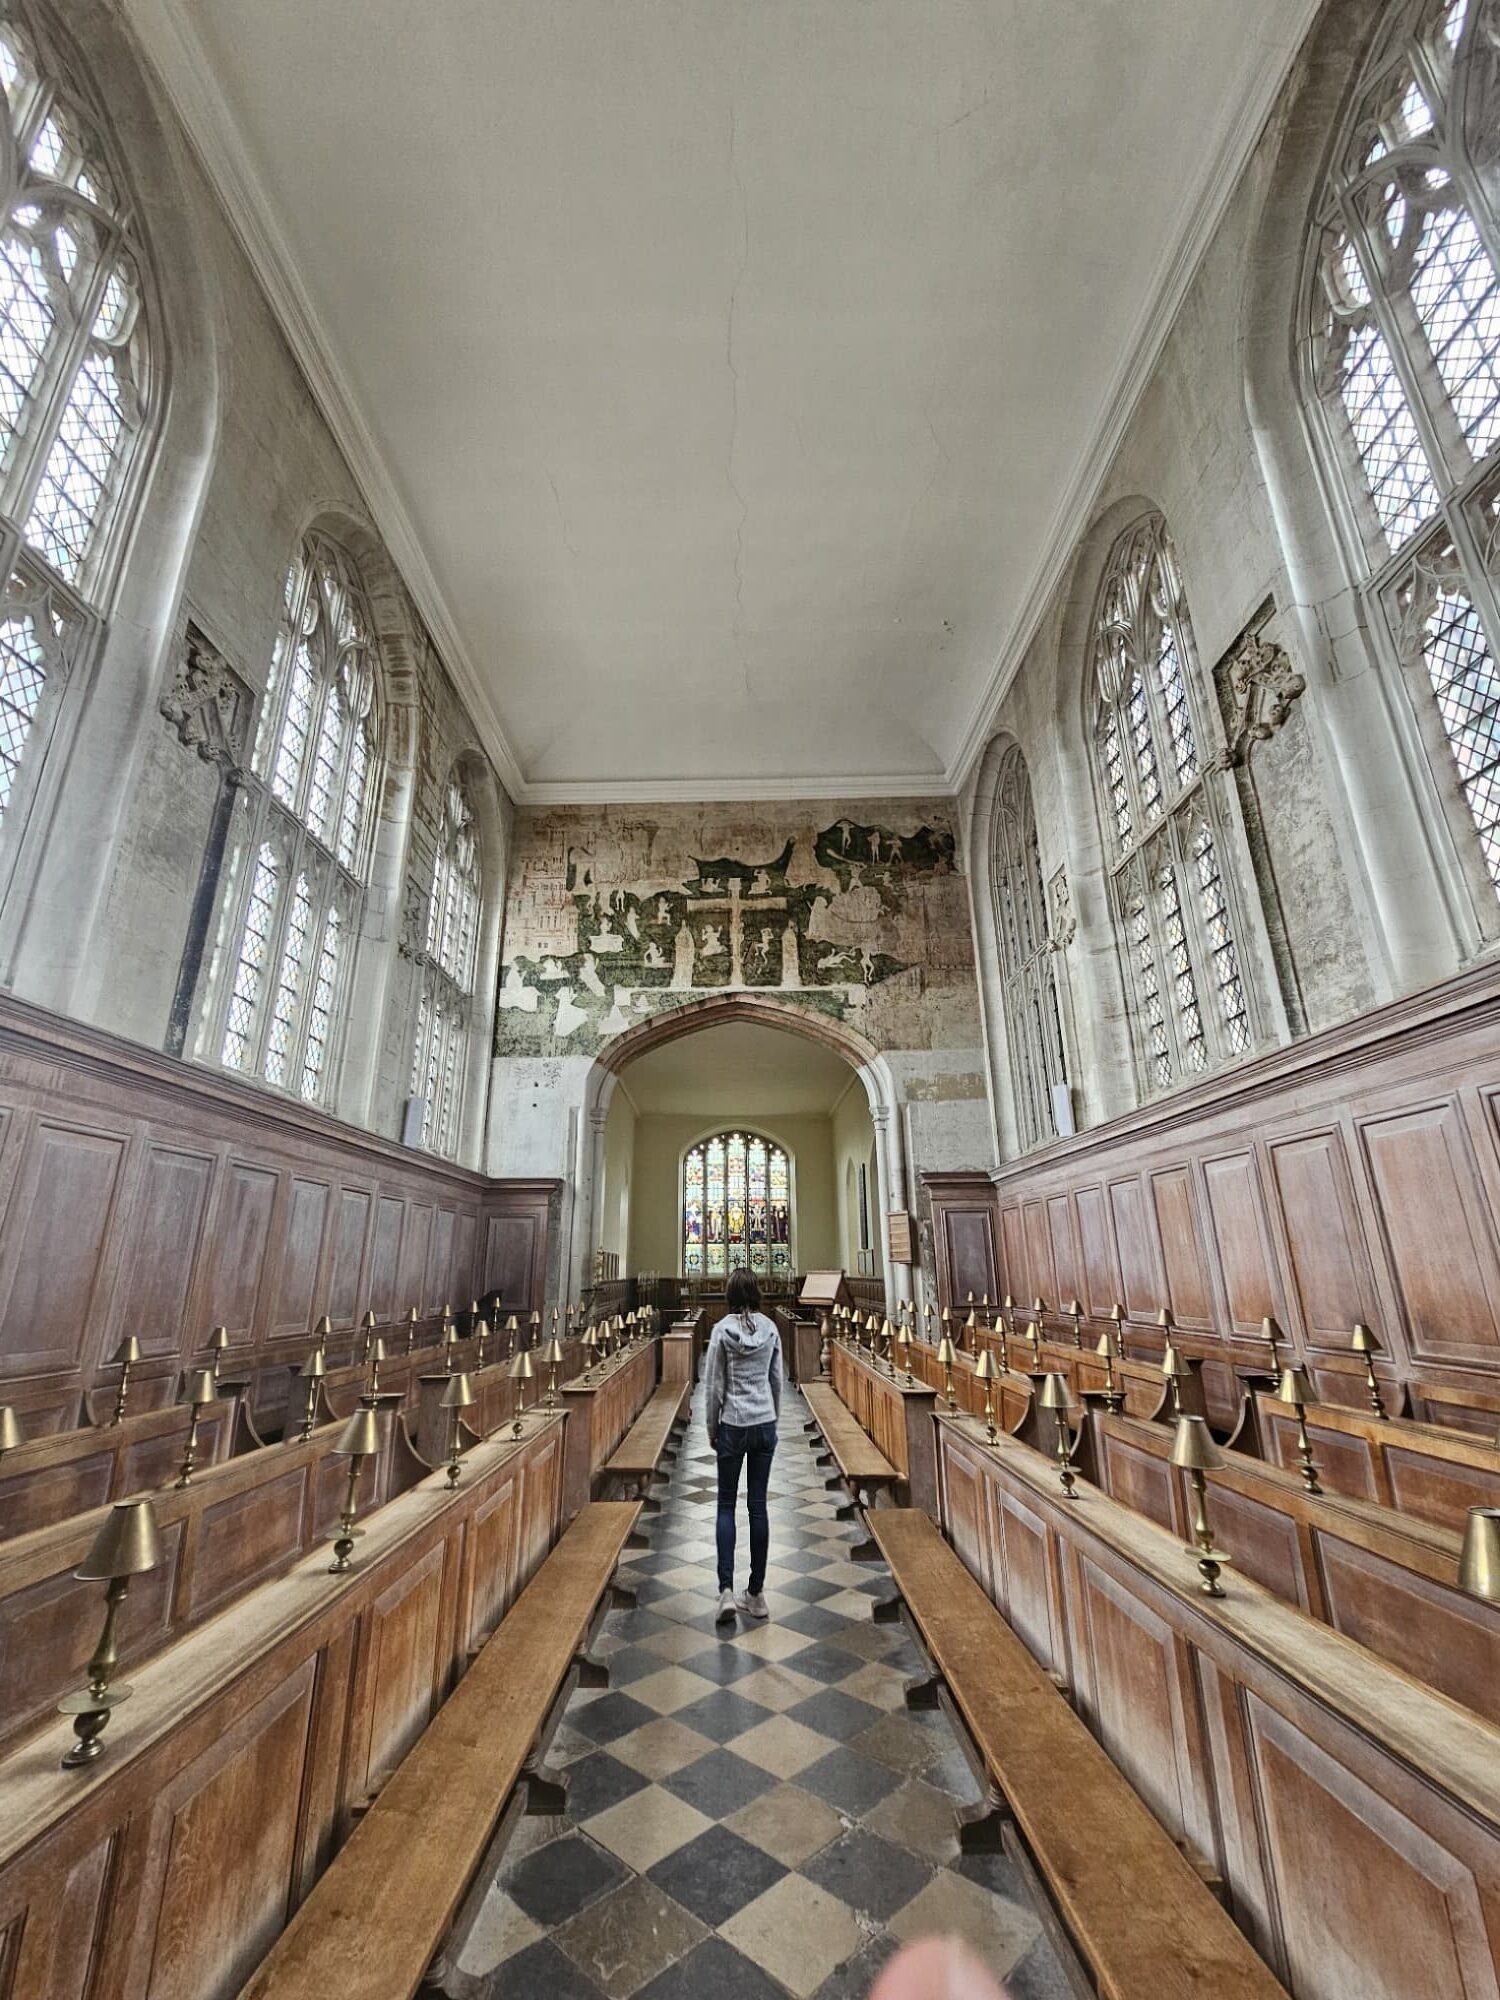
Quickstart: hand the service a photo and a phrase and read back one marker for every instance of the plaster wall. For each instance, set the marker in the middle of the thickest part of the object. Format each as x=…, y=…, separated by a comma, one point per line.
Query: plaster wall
x=661, y=1139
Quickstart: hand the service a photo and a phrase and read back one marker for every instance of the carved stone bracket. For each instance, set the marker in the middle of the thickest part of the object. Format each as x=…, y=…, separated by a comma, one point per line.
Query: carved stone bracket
x=1257, y=686
x=1062, y=920
x=209, y=705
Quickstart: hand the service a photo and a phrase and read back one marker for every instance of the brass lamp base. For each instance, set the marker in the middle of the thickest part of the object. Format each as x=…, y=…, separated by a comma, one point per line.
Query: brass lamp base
x=90, y=1708
x=1211, y=1562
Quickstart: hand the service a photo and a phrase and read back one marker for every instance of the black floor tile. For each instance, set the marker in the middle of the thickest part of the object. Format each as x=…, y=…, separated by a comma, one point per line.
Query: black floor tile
x=835, y=1713
x=851, y=1782
x=815, y=1623
x=609, y=1718
x=541, y=1969
x=597, y=1781
x=868, y=1873
x=853, y=1979
x=825, y=1662
x=722, y=1714
x=720, y=1783
x=713, y=1876
x=565, y=1876
x=715, y=1971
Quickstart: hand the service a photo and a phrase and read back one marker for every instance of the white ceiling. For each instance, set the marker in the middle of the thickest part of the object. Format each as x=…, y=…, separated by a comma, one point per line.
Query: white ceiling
x=719, y=369
x=739, y=1070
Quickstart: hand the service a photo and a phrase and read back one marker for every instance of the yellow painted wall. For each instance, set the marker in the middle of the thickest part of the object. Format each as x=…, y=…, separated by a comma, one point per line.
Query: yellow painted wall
x=619, y=1175
x=853, y=1139
x=661, y=1141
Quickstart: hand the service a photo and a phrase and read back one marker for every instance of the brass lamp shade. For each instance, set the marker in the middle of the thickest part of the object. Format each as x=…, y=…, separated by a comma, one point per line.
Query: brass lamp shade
x=1165, y=1320
x=886, y=1333
x=1054, y=1394
x=946, y=1353
x=218, y=1340
x=1193, y=1447
x=1364, y=1342
x=1008, y=1302
x=1105, y=1345
x=512, y=1327
x=1294, y=1388
x=971, y=1324
x=10, y=1428
x=127, y=1545
x=1038, y=1306
x=377, y=1349
x=459, y=1393
x=522, y=1368
x=201, y=1386
x=1172, y=1362
x=360, y=1437
x=315, y=1367
x=368, y=1322
x=554, y=1356
x=1074, y=1308
x=984, y=1368
x=1479, y=1561
x=1117, y=1313
x=128, y=1352
x=324, y=1327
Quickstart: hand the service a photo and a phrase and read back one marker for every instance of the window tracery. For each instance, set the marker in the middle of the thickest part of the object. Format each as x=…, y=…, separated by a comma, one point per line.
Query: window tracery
x=1028, y=961
x=1191, y=1006
x=1403, y=365
x=295, y=889
x=445, y=998
x=736, y=1207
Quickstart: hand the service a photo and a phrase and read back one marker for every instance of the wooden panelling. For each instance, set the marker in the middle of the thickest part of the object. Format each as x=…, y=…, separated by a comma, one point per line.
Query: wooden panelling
x=404, y=1663
x=1441, y=1239
x=1238, y=1226
x=963, y=1231
x=1182, y=1249
x=440, y=1278
x=1038, y=1253
x=1351, y=1177
x=415, y=1239
x=297, y=1292
x=1101, y=1271
x=348, y=1256
x=165, y=1234
x=1066, y=1276
x=60, y=1214
x=384, y=1256
x=241, y=1232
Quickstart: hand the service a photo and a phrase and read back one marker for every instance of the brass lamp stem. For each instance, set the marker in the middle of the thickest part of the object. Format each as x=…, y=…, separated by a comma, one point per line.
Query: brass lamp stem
x=1065, y=1470
x=1307, y=1465
x=189, y=1450
x=89, y=1722
x=454, y=1466
x=948, y=1385
x=124, y=1391
x=1114, y=1402
x=1374, y=1388
x=1209, y=1565
x=989, y=1415
x=310, y=1409
x=343, y=1548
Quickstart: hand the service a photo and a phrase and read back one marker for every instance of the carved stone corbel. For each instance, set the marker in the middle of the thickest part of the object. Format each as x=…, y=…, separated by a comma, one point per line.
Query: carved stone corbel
x=1062, y=920
x=209, y=705
x=1258, y=685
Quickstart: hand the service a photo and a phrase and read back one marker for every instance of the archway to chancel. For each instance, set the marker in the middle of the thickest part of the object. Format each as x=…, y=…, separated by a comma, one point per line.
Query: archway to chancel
x=695, y=1106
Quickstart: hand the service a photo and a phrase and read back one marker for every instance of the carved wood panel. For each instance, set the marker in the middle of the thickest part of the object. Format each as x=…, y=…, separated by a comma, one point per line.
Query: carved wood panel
x=403, y=1670
x=301, y=1260
x=59, y=1219
x=164, y=1236
x=241, y=1231
x=1101, y=1270
x=412, y=1284
x=1141, y=1286
x=384, y=1255
x=348, y=1256
x=1237, y=1215
x=1182, y=1251
x=1332, y=1287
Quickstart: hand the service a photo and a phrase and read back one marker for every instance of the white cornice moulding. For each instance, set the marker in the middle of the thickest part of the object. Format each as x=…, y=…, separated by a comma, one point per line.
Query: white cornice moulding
x=1201, y=215
x=173, y=45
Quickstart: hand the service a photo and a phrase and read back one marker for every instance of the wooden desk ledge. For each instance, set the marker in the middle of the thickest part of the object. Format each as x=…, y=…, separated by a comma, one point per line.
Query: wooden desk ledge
x=1143, y=1922
x=857, y=1457
x=380, y=1911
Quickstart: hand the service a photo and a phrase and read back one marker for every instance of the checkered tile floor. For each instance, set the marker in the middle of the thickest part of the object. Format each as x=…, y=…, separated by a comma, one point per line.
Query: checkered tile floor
x=752, y=1810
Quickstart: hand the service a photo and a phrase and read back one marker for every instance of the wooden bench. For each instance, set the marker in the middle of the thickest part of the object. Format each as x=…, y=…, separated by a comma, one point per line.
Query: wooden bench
x=413, y=1872
x=1129, y=1905
x=864, y=1471
x=637, y=1460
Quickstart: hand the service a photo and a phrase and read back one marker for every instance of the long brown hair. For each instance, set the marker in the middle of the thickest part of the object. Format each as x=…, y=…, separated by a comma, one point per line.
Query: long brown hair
x=743, y=1296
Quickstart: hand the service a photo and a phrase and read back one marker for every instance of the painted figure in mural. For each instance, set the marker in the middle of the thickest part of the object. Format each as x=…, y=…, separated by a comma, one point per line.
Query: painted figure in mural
x=761, y=886
x=791, y=969
x=588, y=976
x=663, y=910
x=569, y=1016
x=516, y=993
x=633, y=926
x=711, y=944
x=684, y=953
x=580, y=875
x=653, y=961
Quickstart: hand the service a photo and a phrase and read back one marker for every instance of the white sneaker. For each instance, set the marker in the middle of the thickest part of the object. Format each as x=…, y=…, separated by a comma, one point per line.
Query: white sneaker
x=727, y=1606
x=754, y=1605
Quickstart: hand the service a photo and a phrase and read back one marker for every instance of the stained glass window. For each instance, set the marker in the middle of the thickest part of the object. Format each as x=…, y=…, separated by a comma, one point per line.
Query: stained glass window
x=1033, y=1018
x=1402, y=360
x=736, y=1208
x=73, y=383
x=446, y=967
x=276, y=991
x=1190, y=1004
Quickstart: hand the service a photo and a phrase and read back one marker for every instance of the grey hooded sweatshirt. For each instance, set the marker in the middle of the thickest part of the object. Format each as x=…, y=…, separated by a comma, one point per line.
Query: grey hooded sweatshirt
x=744, y=1371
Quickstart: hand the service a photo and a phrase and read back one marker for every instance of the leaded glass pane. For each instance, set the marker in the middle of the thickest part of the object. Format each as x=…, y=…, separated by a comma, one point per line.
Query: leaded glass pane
x=736, y=1207
x=1027, y=961
x=250, y=966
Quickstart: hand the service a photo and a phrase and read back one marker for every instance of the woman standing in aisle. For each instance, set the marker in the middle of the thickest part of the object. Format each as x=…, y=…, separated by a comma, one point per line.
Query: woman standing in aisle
x=743, y=1402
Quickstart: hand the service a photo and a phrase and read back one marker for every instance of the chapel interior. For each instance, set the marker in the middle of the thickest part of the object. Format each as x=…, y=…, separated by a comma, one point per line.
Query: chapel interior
x=649, y=639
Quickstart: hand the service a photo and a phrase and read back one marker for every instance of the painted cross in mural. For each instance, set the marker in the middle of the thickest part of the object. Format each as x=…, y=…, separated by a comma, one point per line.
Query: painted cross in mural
x=592, y=948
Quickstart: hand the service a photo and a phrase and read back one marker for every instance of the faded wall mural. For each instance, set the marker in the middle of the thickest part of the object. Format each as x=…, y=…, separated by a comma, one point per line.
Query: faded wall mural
x=616, y=913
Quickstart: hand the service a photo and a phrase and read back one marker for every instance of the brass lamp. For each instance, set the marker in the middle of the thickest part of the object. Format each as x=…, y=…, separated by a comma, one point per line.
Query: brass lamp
x=1039, y=1311
x=590, y=1348
x=872, y=1331
x=512, y=1336
x=1114, y=1400
x=971, y=1331
x=1174, y=1368
x=1272, y=1335
x=535, y=1324
x=1054, y=1397
x=313, y=1369
x=985, y=1371
x=1034, y=1342
x=1117, y=1319
x=1194, y=1451
x=201, y=1391
x=1074, y=1311
x=903, y=1343
x=359, y=1440
x=367, y=1329
x=218, y=1341
x=1296, y=1392
x=481, y=1341
x=554, y=1358
x=927, y=1315
x=374, y=1355
x=521, y=1372
x=321, y=1332
x=458, y=1396
x=10, y=1430
x=127, y=1545
x=1479, y=1559
x=411, y=1329
x=450, y=1342
x=127, y=1354
x=945, y=1362
x=1365, y=1345
x=887, y=1337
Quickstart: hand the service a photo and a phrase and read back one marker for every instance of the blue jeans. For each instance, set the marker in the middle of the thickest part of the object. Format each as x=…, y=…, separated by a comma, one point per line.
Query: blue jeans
x=735, y=1444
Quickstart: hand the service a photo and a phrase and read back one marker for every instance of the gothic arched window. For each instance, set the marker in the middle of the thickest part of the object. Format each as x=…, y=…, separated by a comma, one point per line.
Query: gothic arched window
x=736, y=1208
x=1028, y=965
x=446, y=972
x=1401, y=356
x=73, y=360
x=1172, y=905
x=295, y=891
